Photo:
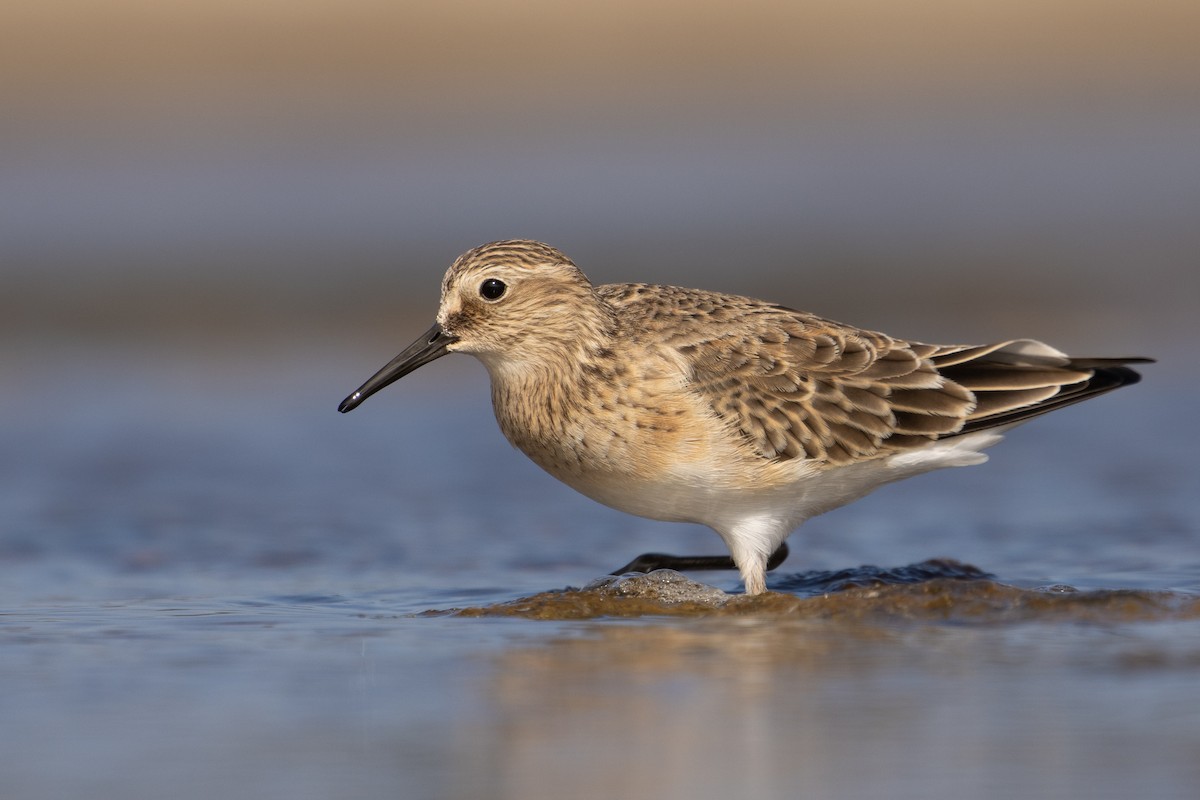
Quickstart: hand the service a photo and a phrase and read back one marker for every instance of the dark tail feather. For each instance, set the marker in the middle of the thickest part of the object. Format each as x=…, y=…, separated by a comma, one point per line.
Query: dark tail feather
x=1106, y=374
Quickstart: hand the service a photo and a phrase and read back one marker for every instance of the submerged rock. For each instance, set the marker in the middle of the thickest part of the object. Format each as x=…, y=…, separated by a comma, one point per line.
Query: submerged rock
x=664, y=585
x=930, y=591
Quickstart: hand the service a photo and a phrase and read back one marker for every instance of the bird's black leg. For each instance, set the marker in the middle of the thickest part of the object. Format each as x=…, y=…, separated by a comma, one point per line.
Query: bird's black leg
x=648, y=562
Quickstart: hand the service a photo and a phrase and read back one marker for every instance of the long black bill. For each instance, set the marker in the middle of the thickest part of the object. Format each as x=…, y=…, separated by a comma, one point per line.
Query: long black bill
x=430, y=346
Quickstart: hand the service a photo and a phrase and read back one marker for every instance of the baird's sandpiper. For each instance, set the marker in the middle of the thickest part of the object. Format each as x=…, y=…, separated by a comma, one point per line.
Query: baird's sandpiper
x=748, y=417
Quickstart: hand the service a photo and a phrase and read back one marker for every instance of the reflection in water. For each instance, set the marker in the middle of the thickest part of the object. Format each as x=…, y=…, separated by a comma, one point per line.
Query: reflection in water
x=773, y=706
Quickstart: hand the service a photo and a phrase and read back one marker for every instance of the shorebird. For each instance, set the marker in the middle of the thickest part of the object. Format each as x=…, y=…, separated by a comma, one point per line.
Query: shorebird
x=746, y=416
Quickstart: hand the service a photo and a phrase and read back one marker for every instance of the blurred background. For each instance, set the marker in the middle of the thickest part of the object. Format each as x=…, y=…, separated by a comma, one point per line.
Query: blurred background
x=272, y=172
x=218, y=218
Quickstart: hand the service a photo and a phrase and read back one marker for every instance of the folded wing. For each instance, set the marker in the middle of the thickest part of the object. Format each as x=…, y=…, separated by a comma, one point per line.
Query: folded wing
x=798, y=386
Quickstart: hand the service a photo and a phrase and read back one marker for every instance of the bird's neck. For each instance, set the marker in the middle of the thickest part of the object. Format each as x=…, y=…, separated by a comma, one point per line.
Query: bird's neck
x=541, y=404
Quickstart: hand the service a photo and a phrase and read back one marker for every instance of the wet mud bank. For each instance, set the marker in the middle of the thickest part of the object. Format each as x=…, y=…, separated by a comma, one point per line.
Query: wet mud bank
x=931, y=591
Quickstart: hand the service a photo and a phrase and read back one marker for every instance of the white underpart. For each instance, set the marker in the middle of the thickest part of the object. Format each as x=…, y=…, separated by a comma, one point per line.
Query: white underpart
x=753, y=523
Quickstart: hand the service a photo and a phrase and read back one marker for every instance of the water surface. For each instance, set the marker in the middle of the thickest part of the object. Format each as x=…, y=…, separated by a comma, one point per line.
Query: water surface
x=214, y=585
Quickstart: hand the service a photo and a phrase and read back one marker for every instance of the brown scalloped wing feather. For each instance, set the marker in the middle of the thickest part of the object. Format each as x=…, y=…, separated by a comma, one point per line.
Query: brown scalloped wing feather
x=798, y=386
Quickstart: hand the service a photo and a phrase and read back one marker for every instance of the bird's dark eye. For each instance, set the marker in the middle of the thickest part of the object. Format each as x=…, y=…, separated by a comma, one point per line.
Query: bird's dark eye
x=492, y=289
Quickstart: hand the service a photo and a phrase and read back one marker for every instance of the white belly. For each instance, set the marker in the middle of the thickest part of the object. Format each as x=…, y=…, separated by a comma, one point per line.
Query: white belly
x=785, y=494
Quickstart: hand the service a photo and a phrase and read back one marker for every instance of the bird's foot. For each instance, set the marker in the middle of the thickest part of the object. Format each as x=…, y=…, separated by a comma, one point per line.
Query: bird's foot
x=648, y=562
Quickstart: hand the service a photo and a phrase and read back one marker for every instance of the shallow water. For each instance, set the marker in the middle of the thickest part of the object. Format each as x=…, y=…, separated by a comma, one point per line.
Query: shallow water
x=215, y=585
